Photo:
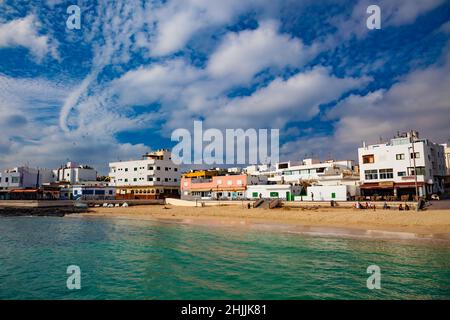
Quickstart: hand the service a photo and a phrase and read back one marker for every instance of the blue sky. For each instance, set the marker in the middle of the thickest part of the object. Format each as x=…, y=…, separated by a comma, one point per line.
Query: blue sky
x=137, y=70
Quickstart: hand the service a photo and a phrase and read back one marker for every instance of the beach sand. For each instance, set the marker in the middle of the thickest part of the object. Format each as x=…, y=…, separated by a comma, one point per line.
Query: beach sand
x=431, y=224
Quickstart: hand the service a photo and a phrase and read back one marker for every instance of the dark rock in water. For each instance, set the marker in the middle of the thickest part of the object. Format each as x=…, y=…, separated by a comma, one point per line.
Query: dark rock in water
x=51, y=211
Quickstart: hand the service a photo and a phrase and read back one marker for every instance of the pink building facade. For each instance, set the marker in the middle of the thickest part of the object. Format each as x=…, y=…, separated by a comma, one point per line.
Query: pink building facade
x=217, y=187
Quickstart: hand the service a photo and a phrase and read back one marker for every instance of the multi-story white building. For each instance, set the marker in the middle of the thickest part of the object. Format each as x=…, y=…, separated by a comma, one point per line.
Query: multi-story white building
x=25, y=177
x=74, y=173
x=388, y=168
x=153, y=177
x=314, y=171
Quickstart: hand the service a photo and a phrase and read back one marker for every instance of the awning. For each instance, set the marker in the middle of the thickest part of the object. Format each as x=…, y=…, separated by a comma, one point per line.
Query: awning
x=376, y=185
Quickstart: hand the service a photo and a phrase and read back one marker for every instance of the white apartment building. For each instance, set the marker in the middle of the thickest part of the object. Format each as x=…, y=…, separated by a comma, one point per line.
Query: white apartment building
x=153, y=177
x=314, y=171
x=388, y=168
x=74, y=173
x=25, y=177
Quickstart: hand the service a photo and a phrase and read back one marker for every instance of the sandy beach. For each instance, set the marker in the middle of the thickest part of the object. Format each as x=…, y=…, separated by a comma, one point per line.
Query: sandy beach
x=431, y=224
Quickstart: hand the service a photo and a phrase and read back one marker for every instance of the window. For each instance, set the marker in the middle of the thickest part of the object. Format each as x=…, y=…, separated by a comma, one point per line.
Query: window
x=274, y=194
x=401, y=173
x=283, y=165
x=135, y=169
x=400, y=156
x=158, y=168
x=126, y=169
x=239, y=182
x=415, y=155
x=386, y=173
x=165, y=179
x=150, y=167
x=368, y=158
x=149, y=178
x=14, y=179
x=167, y=169
x=333, y=195
x=158, y=179
x=175, y=179
x=219, y=181
x=134, y=179
x=126, y=180
x=175, y=169
x=229, y=182
x=420, y=171
x=371, y=174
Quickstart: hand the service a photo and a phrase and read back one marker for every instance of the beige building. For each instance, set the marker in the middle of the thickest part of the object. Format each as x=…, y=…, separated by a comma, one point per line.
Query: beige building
x=447, y=158
x=447, y=164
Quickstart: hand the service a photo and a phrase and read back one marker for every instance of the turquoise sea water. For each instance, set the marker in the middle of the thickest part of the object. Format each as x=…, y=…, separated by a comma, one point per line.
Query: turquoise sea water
x=129, y=259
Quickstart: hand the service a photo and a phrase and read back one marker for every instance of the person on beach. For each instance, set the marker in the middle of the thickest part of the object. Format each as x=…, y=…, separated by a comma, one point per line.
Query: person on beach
x=406, y=207
x=400, y=207
x=385, y=206
x=312, y=196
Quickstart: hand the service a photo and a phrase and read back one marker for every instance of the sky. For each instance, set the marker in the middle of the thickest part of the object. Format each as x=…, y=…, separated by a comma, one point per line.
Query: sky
x=138, y=70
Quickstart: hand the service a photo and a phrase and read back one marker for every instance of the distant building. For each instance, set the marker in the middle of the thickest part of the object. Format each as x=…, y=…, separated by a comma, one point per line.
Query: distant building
x=208, y=185
x=447, y=165
x=310, y=171
x=388, y=168
x=25, y=177
x=153, y=177
x=74, y=173
x=273, y=191
x=88, y=191
x=447, y=158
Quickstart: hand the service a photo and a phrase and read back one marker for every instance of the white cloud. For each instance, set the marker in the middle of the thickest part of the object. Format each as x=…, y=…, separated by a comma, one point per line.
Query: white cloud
x=24, y=33
x=297, y=98
x=241, y=55
x=419, y=101
x=179, y=20
x=29, y=110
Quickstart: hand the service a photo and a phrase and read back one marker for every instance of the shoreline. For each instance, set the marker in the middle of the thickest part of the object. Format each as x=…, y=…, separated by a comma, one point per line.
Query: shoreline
x=429, y=226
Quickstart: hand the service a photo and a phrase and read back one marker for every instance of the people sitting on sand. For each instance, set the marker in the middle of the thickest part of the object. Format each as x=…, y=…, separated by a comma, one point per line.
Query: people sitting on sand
x=406, y=207
x=358, y=205
x=400, y=207
x=367, y=206
x=385, y=206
